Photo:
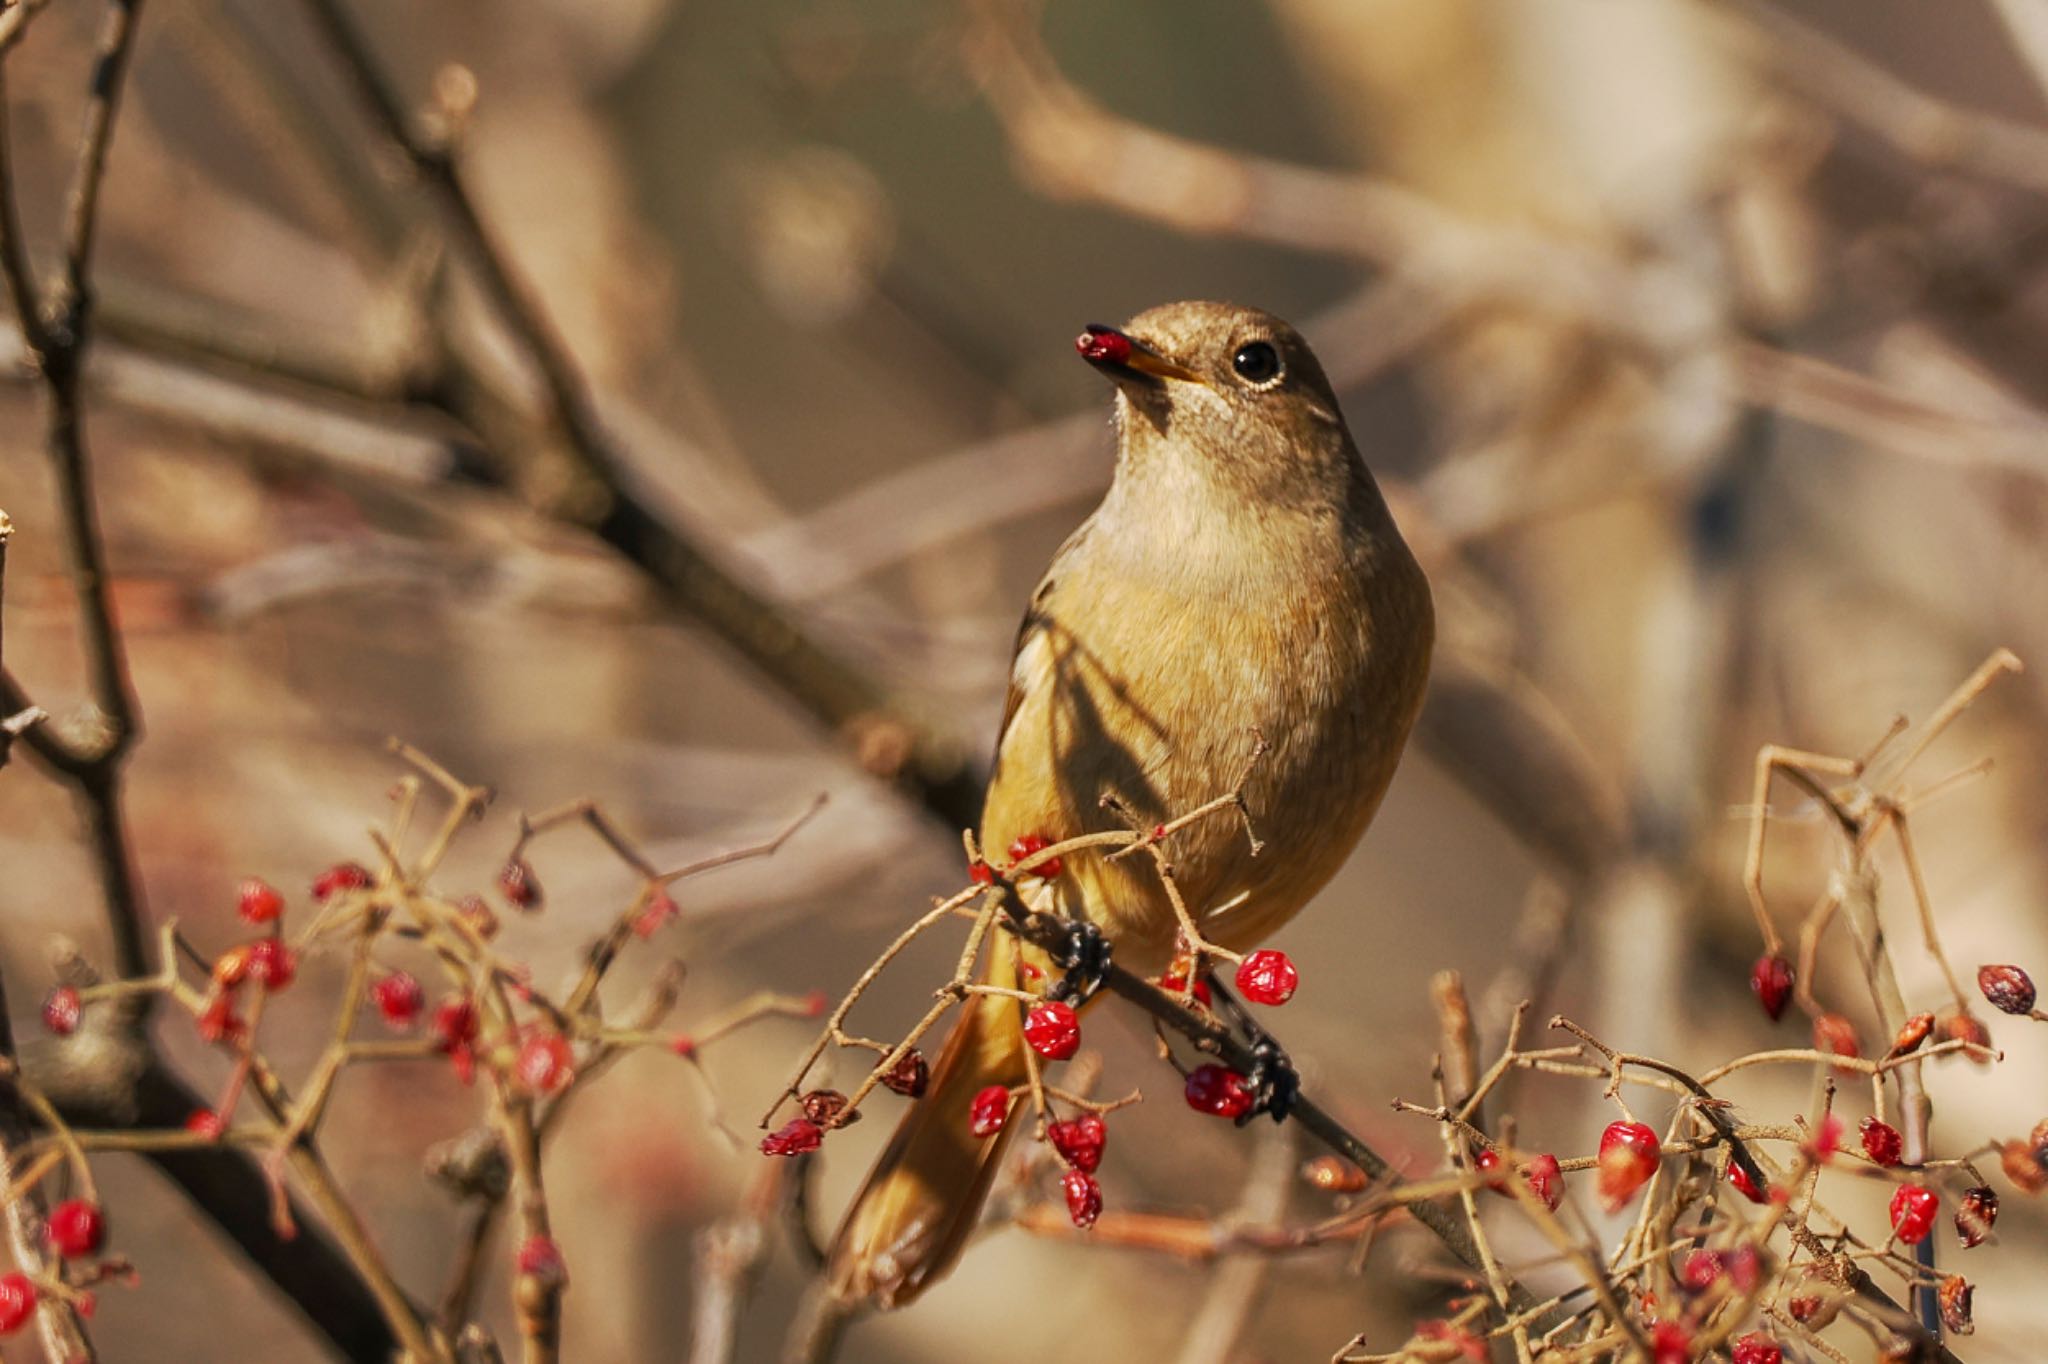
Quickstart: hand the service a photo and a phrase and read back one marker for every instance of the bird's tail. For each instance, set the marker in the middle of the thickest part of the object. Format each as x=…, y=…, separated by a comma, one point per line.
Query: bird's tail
x=924, y=1195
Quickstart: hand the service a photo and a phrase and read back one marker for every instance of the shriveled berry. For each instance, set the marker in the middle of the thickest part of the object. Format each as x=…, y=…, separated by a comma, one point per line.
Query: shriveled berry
x=518, y=884
x=1053, y=1030
x=1080, y=1141
x=1810, y=1309
x=541, y=1258
x=1835, y=1033
x=793, y=1138
x=1913, y=1210
x=1267, y=977
x=1545, y=1179
x=2022, y=1165
x=61, y=1010
x=1882, y=1142
x=17, y=1302
x=1175, y=983
x=272, y=964
x=1911, y=1035
x=1701, y=1270
x=77, y=1227
x=231, y=967
x=259, y=901
x=1031, y=845
x=340, y=877
x=827, y=1108
x=909, y=1075
x=2009, y=989
x=1218, y=1090
x=1629, y=1152
x=1770, y=980
x=1757, y=1348
x=206, y=1123
x=1084, y=1197
x=545, y=1062
x=1976, y=1215
x=1954, y=1297
x=991, y=1107
x=399, y=999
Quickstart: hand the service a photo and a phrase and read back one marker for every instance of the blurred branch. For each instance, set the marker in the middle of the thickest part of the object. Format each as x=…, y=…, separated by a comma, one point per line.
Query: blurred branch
x=1232, y=1293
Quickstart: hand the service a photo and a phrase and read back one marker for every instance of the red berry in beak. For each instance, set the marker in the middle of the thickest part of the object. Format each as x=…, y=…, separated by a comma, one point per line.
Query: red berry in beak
x=260, y=902
x=1103, y=345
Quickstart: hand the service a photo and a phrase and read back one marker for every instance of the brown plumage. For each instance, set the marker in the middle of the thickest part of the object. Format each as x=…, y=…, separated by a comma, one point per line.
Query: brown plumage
x=1242, y=577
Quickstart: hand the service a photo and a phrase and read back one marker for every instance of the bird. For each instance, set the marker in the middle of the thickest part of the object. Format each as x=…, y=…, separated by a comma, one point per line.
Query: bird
x=1239, y=612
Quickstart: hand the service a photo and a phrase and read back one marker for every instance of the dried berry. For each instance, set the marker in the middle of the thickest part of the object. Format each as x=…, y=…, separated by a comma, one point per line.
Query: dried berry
x=1030, y=845
x=827, y=1108
x=272, y=964
x=518, y=884
x=399, y=999
x=1079, y=1141
x=1084, y=1197
x=1913, y=1210
x=1976, y=1215
x=1545, y=1179
x=1836, y=1034
x=1911, y=1035
x=1954, y=1296
x=1882, y=1142
x=342, y=876
x=1629, y=1153
x=2009, y=989
x=988, y=1112
x=2023, y=1166
x=1218, y=1090
x=61, y=1011
x=77, y=1227
x=259, y=902
x=17, y=1302
x=1053, y=1030
x=1175, y=983
x=1770, y=980
x=1267, y=977
x=793, y=1138
x=545, y=1062
x=909, y=1075
x=1757, y=1348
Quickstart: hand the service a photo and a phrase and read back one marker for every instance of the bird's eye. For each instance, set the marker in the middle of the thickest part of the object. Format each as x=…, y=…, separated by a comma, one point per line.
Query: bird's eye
x=1256, y=362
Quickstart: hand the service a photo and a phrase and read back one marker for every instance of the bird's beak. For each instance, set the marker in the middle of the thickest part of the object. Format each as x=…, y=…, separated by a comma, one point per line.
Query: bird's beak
x=1118, y=354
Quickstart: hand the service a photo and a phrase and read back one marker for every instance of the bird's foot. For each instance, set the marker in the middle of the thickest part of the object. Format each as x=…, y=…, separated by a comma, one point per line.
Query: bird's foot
x=1274, y=1082
x=1085, y=958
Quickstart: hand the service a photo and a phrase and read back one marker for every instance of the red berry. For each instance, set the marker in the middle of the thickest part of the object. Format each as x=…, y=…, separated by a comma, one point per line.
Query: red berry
x=260, y=902
x=1913, y=1209
x=1488, y=1162
x=540, y=1257
x=793, y=1138
x=1175, y=983
x=518, y=884
x=1757, y=1348
x=1770, y=980
x=77, y=1227
x=272, y=964
x=1079, y=1141
x=231, y=967
x=545, y=1062
x=2009, y=989
x=61, y=1011
x=399, y=998
x=1103, y=345
x=1701, y=1270
x=1975, y=1215
x=218, y=1021
x=908, y=1076
x=1671, y=1343
x=1036, y=843
x=454, y=1023
x=17, y=1302
x=1834, y=1033
x=1545, y=1180
x=342, y=876
x=988, y=1112
x=659, y=909
x=1629, y=1153
x=1084, y=1197
x=1218, y=1090
x=1881, y=1142
x=1267, y=977
x=1053, y=1030
x=1745, y=1268
x=206, y=1123
x=825, y=1107
x=981, y=873
x=1744, y=1185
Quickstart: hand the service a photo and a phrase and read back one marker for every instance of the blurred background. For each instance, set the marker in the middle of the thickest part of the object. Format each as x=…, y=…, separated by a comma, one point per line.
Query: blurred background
x=1696, y=344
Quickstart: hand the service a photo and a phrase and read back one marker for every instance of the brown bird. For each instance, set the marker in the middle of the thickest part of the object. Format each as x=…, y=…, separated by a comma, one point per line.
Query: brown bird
x=1241, y=581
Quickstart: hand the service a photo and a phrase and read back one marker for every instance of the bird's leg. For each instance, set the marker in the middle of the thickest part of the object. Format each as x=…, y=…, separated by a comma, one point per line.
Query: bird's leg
x=1275, y=1083
x=1084, y=956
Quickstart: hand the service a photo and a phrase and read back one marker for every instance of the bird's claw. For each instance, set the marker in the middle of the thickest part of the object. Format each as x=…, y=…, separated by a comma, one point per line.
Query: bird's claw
x=1274, y=1082
x=1085, y=958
